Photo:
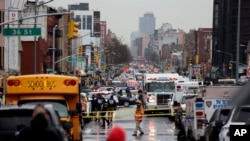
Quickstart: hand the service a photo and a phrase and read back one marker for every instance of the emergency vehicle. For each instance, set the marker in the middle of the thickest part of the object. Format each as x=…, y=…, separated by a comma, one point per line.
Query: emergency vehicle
x=160, y=91
x=199, y=109
x=218, y=96
x=186, y=87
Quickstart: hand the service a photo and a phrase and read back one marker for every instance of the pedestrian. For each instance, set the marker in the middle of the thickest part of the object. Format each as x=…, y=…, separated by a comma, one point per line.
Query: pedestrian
x=104, y=112
x=111, y=108
x=128, y=92
x=99, y=105
x=141, y=97
x=117, y=133
x=139, y=112
x=94, y=107
x=40, y=129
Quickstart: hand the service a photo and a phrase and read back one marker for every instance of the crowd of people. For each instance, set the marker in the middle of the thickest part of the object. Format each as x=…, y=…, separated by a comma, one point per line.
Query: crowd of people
x=103, y=109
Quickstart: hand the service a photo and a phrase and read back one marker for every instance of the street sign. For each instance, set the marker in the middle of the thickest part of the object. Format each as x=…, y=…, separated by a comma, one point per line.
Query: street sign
x=21, y=31
x=49, y=70
x=70, y=59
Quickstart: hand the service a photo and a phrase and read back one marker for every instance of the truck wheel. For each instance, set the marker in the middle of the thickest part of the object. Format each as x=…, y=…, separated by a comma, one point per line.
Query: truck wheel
x=126, y=104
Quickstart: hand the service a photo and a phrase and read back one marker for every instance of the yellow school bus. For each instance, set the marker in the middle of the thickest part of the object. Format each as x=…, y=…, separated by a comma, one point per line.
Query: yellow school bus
x=59, y=90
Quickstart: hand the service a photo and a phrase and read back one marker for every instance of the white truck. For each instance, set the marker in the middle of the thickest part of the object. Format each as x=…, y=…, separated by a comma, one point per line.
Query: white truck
x=218, y=96
x=199, y=109
x=160, y=91
x=184, y=87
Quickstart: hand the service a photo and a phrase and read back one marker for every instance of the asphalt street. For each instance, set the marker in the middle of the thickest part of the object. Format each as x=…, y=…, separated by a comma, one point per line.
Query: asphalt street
x=156, y=128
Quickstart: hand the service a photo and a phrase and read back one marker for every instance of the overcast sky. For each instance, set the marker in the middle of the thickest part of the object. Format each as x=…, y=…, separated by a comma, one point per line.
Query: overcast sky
x=122, y=16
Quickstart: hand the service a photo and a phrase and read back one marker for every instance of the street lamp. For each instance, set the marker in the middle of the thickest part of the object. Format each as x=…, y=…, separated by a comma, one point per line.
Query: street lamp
x=231, y=58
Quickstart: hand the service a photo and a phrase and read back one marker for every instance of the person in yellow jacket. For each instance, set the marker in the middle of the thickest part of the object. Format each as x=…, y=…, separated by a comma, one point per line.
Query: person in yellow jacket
x=139, y=112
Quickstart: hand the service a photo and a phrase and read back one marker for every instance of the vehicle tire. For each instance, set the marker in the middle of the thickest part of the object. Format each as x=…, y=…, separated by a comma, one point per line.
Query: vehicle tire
x=126, y=104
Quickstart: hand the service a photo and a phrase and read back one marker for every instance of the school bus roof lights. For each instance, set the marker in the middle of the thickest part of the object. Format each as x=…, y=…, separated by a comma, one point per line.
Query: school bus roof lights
x=69, y=82
x=13, y=82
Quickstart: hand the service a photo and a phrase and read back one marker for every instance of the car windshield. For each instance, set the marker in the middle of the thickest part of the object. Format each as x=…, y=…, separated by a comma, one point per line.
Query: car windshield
x=183, y=101
x=59, y=105
x=105, y=89
x=242, y=115
x=161, y=86
x=14, y=119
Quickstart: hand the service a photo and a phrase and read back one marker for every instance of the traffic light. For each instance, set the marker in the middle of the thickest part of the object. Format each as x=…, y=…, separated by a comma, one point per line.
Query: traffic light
x=190, y=61
x=230, y=66
x=79, y=54
x=72, y=29
x=96, y=58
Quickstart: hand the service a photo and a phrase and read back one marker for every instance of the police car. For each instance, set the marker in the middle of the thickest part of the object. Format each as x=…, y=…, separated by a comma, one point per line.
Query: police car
x=239, y=116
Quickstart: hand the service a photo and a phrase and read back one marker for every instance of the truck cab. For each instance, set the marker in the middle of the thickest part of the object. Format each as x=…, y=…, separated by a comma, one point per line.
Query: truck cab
x=160, y=91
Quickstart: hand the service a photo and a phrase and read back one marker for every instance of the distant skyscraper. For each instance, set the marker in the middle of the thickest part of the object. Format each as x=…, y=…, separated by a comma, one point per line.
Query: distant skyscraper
x=147, y=23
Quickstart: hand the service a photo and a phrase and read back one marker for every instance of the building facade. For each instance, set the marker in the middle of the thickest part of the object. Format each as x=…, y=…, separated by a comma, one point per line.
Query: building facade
x=147, y=23
x=225, y=32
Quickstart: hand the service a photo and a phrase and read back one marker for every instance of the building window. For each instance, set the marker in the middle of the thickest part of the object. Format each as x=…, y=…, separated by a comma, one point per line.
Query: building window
x=83, y=21
x=89, y=22
x=78, y=19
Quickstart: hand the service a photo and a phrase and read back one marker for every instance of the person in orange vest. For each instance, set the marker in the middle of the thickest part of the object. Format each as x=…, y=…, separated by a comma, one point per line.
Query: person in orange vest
x=139, y=112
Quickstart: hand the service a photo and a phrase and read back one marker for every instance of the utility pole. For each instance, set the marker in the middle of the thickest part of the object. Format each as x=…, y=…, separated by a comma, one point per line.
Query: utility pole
x=54, y=48
x=238, y=42
x=35, y=38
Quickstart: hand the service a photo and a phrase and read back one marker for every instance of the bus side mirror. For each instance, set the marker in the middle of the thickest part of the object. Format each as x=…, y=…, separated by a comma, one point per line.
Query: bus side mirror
x=79, y=107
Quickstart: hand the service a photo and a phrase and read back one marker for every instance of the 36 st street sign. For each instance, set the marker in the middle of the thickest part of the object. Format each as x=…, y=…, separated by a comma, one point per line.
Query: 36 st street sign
x=21, y=31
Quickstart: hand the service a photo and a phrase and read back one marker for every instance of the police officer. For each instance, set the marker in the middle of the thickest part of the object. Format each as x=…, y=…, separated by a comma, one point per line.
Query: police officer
x=99, y=105
x=111, y=107
x=103, y=113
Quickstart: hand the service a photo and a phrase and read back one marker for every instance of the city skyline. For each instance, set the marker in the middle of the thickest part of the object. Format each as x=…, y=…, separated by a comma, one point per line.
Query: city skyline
x=186, y=15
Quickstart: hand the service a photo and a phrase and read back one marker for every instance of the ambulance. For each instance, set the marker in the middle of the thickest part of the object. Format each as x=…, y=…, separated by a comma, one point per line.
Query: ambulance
x=160, y=91
x=187, y=87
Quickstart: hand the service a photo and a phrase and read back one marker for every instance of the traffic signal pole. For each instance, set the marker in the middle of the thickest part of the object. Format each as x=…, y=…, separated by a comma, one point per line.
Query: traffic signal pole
x=54, y=48
x=20, y=20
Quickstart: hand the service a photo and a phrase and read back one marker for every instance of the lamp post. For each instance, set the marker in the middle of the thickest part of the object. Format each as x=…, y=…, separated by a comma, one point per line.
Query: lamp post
x=231, y=58
x=238, y=42
x=54, y=47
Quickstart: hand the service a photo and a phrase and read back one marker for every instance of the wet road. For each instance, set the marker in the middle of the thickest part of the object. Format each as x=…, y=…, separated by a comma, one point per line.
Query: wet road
x=155, y=128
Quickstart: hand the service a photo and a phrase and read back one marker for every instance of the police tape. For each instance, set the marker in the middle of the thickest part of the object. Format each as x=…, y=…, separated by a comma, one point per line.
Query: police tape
x=108, y=114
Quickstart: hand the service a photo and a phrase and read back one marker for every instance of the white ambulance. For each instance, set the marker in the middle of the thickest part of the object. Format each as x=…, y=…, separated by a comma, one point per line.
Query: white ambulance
x=187, y=87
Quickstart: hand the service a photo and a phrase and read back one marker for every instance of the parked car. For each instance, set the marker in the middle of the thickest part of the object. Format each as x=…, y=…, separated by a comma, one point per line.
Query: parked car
x=126, y=101
x=14, y=118
x=110, y=89
x=239, y=116
x=217, y=120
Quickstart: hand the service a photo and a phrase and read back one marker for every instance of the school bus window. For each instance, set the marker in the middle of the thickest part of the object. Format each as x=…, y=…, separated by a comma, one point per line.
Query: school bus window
x=60, y=106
